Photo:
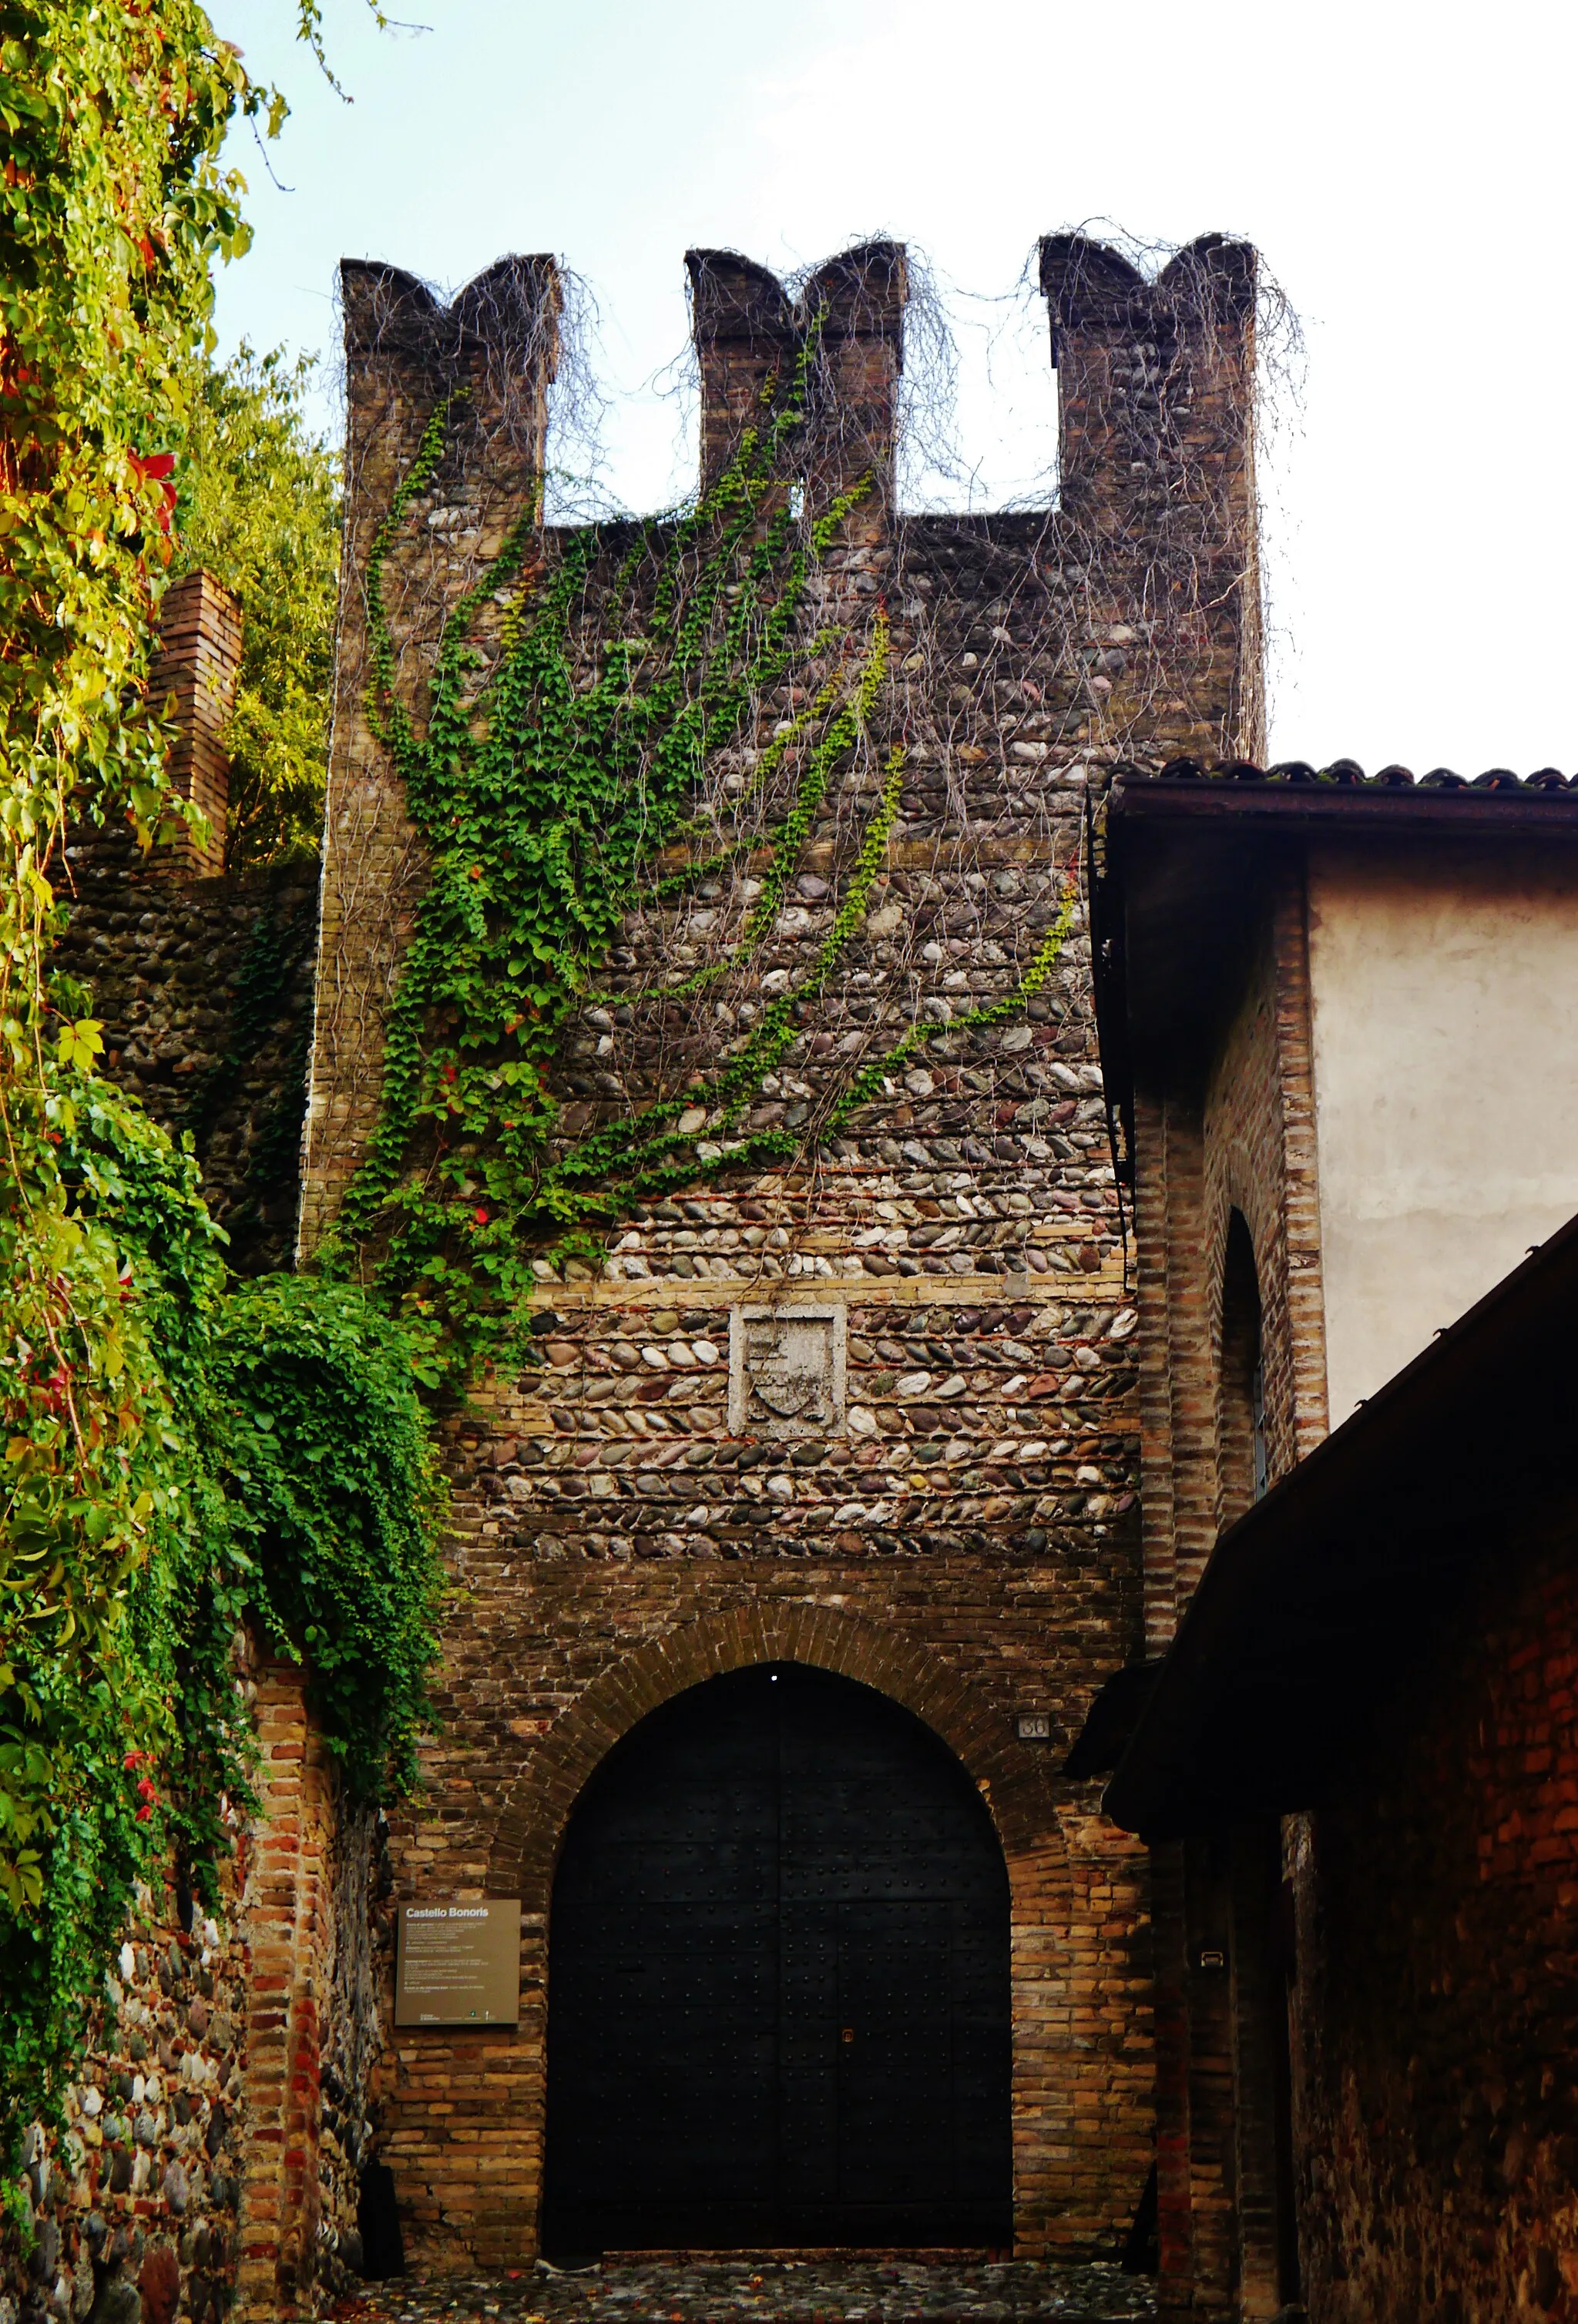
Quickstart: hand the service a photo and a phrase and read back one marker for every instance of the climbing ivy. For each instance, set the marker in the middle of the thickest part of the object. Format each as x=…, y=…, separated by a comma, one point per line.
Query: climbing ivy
x=175, y=1451
x=547, y=789
x=112, y=206
x=279, y=1467
x=545, y=799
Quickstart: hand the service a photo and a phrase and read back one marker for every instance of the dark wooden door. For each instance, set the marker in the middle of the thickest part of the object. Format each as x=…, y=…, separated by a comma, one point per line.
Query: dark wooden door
x=779, y=1982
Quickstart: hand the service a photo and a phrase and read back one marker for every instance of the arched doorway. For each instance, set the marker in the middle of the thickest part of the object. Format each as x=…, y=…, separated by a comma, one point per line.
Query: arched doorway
x=777, y=1982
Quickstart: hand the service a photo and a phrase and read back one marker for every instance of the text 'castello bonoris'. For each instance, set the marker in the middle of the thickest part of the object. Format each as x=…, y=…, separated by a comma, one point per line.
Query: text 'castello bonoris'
x=870, y=1506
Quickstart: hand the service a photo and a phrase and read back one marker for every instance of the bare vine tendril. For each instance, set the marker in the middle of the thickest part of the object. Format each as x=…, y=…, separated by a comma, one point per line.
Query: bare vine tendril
x=553, y=788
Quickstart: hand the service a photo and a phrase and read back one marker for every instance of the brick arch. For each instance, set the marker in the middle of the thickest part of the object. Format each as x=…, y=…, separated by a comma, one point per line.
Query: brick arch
x=1014, y=1779
x=1238, y=1184
x=1235, y=1185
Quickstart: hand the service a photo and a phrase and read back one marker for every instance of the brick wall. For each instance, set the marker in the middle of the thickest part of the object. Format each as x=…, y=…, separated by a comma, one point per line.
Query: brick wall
x=286, y=1900
x=1242, y=1142
x=1260, y=1160
x=1177, y=1392
x=207, y=2161
x=205, y=985
x=1437, y=2094
x=964, y=1534
x=194, y=678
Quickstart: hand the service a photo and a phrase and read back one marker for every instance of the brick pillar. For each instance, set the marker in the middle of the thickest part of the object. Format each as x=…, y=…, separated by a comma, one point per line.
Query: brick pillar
x=854, y=387
x=1298, y=1408
x=1157, y=456
x=1170, y=2004
x=194, y=676
x=1178, y=1369
x=287, y=1919
x=747, y=333
x=493, y=352
x=1211, y=2141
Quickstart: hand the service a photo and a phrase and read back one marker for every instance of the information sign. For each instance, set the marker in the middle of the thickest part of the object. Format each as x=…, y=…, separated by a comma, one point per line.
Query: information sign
x=458, y=1964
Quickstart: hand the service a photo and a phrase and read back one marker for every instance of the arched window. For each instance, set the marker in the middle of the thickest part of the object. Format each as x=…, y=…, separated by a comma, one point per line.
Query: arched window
x=1243, y=1403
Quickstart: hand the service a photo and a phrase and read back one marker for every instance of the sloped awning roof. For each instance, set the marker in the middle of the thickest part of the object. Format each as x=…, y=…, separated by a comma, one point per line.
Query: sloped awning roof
x=1314, y=1605
x=1177, y=866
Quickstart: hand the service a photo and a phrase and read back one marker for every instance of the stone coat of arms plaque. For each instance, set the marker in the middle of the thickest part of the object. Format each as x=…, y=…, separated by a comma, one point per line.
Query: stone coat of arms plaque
x=785, y=1372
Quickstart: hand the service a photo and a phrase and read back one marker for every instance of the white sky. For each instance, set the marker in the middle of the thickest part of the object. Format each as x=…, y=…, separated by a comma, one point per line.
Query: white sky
x=1407, y=171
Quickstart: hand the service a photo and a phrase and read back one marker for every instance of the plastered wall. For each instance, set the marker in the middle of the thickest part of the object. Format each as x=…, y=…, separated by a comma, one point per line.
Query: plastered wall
x=1445, y=1004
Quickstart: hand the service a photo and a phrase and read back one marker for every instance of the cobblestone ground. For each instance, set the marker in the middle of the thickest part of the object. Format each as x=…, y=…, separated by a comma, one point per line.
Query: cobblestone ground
x=875, y=2289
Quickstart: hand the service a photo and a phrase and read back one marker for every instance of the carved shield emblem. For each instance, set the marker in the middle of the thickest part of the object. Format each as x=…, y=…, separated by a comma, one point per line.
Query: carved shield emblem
x=785, y=1372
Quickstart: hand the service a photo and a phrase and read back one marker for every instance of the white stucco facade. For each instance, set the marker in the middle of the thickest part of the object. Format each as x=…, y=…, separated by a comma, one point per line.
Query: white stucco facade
x=1445, y=1004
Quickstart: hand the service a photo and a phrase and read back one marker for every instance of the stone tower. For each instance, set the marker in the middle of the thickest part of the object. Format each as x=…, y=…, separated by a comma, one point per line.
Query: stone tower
x=870, y=1409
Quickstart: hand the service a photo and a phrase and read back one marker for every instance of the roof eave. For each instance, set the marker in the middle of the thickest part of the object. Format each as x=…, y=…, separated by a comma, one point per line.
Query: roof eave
x=1357, y=807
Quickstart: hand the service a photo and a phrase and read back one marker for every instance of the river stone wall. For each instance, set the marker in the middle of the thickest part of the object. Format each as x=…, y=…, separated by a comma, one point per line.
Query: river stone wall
x=133, y=2204
x=876, y=1409
x=204, y=983
x=207, y=2158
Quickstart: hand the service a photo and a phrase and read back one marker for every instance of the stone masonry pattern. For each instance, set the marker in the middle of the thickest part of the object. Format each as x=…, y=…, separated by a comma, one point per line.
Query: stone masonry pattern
x=207, y=2163
x=136, y=2199
x=204, y=985
x=957, y=1524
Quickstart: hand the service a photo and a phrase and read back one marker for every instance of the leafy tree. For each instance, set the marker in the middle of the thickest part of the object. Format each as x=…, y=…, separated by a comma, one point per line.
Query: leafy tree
x=113, y=205
x=145, y=1495
x=260, y=509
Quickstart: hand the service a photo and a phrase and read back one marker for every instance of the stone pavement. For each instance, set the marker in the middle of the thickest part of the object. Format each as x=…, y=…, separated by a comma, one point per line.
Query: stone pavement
x=837, y=2289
